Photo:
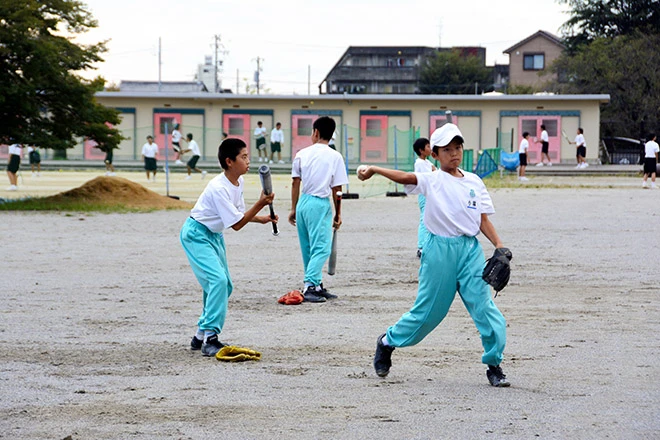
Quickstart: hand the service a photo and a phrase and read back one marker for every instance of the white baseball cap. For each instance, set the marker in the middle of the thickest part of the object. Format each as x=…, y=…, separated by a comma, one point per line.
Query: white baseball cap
x=442, y=136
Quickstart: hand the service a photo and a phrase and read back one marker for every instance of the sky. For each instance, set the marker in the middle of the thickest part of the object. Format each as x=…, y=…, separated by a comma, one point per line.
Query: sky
x=297, y=41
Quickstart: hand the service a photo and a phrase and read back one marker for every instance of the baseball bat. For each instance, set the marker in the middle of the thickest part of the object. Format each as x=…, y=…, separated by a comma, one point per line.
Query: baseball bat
x=449, y=117
x=332, y=262
x=267, y=185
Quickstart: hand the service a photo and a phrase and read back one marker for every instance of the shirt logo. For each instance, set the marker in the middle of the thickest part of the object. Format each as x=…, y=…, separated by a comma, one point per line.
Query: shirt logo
x=472, y=194
x=472, y=204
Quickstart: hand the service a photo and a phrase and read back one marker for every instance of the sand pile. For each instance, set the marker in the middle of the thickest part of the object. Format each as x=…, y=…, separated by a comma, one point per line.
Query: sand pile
x=119, y=191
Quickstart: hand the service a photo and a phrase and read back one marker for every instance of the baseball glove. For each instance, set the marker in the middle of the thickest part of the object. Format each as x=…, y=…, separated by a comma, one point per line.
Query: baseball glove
x=291, y=298
x=231, y=353
x=498, y=269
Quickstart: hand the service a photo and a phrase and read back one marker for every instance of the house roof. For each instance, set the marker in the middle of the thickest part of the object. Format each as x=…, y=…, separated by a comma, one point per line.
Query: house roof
x=163, y=86
x=543, y=34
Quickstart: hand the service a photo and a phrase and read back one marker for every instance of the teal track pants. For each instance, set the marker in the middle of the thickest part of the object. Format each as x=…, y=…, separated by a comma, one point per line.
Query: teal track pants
x=449, y=265
x=208, y=258
x=422, y=233
x=314, y=224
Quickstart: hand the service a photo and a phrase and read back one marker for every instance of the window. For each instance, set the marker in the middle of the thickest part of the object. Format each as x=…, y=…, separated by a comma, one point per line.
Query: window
x=529, y=125
x=534, y=61
x=170, y=124
x=305, y=126
x=236, y=126
x=373, y=127
x=550, y=126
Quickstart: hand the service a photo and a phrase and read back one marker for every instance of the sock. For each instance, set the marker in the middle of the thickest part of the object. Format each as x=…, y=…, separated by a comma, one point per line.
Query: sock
x=200, y=334
x=307, y=284
x=385, y=342
x=208, y=334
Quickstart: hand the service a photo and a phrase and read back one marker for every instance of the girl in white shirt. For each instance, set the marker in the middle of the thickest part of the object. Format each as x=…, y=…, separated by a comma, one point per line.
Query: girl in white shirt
x=457, y=209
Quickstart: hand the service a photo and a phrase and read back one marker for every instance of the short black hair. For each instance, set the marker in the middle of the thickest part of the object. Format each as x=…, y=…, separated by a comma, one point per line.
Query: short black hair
x=420, y=144
x=580, y=130
x=259, y=122
x=525, y=134
x=326, y=127
x=150, y=137
x=229, y=149
x=543, y=126
x=650, y=137
x=189, y=136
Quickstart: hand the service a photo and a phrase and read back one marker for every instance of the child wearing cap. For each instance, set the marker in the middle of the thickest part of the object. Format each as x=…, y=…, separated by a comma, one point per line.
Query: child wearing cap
x=457, y=209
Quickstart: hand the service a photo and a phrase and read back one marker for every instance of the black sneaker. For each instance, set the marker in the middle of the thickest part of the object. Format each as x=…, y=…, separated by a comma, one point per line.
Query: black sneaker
x=325, y=293
x=211, y=346
x=383, y=357
x=196, y=344
x=496, y=377
x=312, y=295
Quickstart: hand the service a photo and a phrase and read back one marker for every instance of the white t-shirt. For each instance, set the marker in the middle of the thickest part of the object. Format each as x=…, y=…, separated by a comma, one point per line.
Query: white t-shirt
x=220, y=205
x=176, y=136
x=30, y=149
x=192, y=146
x=320, y=168
x=150, y=150
x=650, y=148
x=544, y=136
x=423, y=166
x=579, y=140
x=260, y=132
x=524, y=146
x=16, y=149
x=277, y=135
x=453, y=204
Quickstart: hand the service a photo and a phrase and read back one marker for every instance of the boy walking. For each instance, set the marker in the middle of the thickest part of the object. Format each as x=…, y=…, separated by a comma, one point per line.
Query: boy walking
x=322, y=173
x=580, y=149
x=422, y=148
x=276, y=141
x=522, y=154
x=220, y=206
x=651, y=150
x=191, y=165
x=260, y=136
x=457, y=208
x=150, y=156
x=545, y=147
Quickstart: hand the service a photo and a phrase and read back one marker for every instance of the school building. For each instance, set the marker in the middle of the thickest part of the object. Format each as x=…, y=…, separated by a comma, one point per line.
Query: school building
x=374, y=129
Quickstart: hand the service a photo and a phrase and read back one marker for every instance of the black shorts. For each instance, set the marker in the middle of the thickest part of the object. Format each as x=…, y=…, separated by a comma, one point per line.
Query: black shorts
x=261, y=143
x=35, y=157
x=523, y=159
x=176, y=147
x=14, y=163
x=150, y=164
x=192, y=163
x=649, y=165
x=275, y=147
x=108, y=157
x=581, y=152
x=544, y=147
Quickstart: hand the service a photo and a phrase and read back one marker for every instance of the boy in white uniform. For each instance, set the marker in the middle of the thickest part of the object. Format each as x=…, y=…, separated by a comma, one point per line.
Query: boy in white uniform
x=580, y=149
x=192, y=163
x=276, y=142
x=422, y=147
x=150, y=156
x=457, y=208
x=651, y=150
x=35, y=160
x=13, y=164
x=545, y=147
x=322, y=173
x=260, y=136
x=176, y=144
x=220, y=206
x=522, y=154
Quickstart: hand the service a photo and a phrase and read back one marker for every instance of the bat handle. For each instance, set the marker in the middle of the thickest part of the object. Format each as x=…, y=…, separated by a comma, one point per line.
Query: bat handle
x=272, y=216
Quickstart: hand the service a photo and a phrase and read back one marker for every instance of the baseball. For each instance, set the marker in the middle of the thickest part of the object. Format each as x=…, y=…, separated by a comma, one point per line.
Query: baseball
x=361, y=168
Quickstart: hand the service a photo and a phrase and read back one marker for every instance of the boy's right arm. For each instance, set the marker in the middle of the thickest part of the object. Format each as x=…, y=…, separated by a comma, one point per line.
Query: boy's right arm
x=295, y=193
x=397, y=176
x=264, y=200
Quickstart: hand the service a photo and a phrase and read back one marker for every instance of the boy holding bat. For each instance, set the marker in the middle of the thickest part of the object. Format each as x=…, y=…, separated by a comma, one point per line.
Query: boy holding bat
x=220, y=206
x=322, y=173
x=457, y=208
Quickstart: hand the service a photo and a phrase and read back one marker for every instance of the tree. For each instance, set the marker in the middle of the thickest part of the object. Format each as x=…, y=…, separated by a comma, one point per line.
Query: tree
x=626, y=68
x=43, y=101
x=592, y=19
x=450, y=73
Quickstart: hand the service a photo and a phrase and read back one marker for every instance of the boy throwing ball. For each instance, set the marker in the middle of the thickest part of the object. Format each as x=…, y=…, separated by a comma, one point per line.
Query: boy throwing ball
x=220, y=206
x=457, y=208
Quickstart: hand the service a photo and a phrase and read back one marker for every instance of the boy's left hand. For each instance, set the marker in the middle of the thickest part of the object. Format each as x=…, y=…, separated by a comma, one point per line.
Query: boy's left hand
x=336, y=224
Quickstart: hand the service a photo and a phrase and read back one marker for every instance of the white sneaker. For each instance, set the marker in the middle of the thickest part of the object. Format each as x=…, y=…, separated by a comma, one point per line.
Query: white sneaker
x=653, y=186
x=585, y=164
x=12, y=188
x=204, y=173
x=107, y=173
x=38, y=174
x=178, y=162
x=523, y=179
x=270, y=161
x=34, y=174
x=540, y=164
x=578, y=166
x=187, y=178
x=112, y=174
x=549, y=164
x=645, y=185
x=154, y=178
x=281, y=161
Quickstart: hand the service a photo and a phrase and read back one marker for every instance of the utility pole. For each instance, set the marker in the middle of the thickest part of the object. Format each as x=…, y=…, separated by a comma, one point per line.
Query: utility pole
x=309, y=79
x=257, y=73
x=218, y=48
x=159, y=64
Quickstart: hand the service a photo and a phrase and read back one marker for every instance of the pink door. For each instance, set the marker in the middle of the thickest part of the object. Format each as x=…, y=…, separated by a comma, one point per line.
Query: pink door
x=238, y=126
x=301, y=132
x=439, y=120
x=373, y=138
x=160, y=119
x=532, y=124
x=4, y=151
x=90, y=152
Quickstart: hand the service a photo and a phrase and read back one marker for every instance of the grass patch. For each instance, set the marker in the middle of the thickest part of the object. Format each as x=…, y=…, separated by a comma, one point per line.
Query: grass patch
x=44, y=204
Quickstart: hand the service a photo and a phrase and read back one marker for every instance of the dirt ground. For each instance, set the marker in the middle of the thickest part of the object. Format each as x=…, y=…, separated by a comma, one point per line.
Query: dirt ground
x=98, y=311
